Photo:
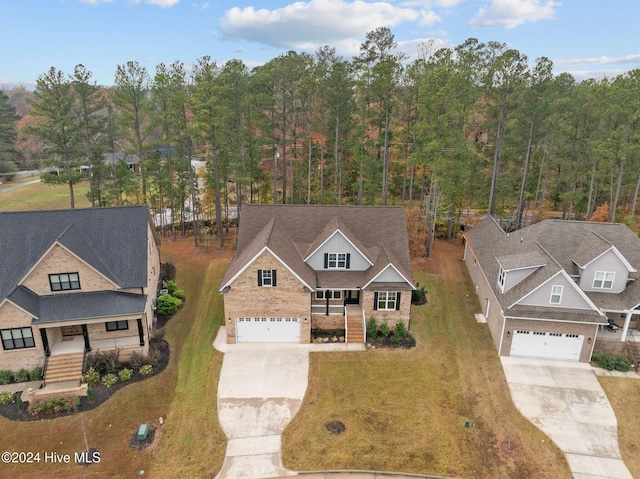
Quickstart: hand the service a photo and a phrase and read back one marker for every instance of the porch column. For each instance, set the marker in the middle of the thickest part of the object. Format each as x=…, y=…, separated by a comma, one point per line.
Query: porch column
x=625, y=328
x=140, y=332
x=85, y=335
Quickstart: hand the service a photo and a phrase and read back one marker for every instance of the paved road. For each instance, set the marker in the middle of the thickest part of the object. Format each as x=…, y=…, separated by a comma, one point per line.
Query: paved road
x=17, y=185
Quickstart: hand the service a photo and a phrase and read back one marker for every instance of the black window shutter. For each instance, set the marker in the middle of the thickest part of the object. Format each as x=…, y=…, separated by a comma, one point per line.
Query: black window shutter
x=273, y=277
x=398, y=301
x=259, y=277
x=375, y=301
x=348, y=260
x=326, y=260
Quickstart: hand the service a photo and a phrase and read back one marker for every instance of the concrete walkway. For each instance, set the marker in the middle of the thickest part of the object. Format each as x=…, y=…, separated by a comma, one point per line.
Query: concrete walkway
x=565, y=400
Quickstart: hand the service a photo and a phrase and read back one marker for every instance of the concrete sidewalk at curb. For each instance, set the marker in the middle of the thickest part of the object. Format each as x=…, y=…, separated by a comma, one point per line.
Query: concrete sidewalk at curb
x=356, y=474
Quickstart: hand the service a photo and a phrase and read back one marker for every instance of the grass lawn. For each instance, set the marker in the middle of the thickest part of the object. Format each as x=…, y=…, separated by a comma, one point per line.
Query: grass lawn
x=191, y=441
x=405, y=410
x=39, y=196
x=622, y=394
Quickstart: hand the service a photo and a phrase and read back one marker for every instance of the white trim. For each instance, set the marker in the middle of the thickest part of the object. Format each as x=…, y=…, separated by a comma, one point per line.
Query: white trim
x=337, y=261
x=387, y=300
x=571, y=282
x=603, y=280
x=522, y=267
x=502, y=275
x=559, y=294
x=383, y=270
x=622, y=259
x=250, y=262
x=345, y=237
x=556, y=320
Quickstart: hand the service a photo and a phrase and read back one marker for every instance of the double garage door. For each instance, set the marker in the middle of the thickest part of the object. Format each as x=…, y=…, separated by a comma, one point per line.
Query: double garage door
x=268, y=330
x=538, y=344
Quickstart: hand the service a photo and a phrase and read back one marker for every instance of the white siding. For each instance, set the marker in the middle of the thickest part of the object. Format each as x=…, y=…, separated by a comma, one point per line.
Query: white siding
x=338, y=244
x=610, y=263
x=571, y=298
x=389, y=275
x=515, y=276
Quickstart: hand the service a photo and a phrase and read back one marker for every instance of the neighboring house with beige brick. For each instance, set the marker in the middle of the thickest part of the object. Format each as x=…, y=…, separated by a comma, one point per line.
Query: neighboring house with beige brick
x=555, y=288
x=302, y=267
x=75, y=281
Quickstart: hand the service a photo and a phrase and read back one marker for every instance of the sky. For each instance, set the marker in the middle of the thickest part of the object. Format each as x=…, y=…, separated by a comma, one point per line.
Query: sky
x=587, y=38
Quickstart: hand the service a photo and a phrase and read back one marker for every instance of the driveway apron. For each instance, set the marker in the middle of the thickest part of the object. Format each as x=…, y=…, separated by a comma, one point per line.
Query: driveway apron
x=565, y=400
x=260, y=390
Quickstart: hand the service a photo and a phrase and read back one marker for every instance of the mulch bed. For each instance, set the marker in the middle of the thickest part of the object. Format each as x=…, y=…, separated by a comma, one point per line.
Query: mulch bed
x=100, y=392
x=385, y=342
x=335, y=427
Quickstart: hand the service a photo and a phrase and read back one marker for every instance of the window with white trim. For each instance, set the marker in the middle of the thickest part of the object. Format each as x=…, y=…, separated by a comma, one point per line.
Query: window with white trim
x=267, y=277
x=387, y=300
x=337, y=261
x=17, y=338
x=556, y=294
x=64, y=281
x=603, y=280
x=502, y=275
x=329, y=294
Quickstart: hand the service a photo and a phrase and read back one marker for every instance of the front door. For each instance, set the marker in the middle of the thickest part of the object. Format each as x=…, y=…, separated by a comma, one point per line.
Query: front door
x=71, y=330
x=352, y=296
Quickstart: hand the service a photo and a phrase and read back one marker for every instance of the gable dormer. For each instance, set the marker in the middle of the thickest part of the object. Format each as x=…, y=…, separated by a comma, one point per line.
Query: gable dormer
x=608, y=272
x=337, y=249
x=516, y=267
x=559, y=291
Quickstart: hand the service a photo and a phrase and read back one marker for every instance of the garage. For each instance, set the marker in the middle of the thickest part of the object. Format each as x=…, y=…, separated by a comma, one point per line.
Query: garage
x=537, y=344
x=268, y=330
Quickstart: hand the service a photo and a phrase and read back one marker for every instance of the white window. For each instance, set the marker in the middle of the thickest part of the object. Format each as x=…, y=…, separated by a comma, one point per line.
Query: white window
x=267, y=278
x=603, y=280
x=387, y=300
x=501, y=277
x=329, y=294
x=337, y=261
x=556, y=294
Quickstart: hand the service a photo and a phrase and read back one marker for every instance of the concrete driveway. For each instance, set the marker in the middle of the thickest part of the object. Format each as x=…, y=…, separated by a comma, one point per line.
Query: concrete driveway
x=565, y=400
x=260, y=390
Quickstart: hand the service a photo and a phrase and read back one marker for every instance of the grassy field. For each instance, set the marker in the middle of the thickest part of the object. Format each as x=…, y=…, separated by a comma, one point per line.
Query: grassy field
x=405, y=410
x=39, y=196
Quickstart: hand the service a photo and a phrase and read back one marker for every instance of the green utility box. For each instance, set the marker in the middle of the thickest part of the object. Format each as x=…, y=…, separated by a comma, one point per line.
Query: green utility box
x=143, y=431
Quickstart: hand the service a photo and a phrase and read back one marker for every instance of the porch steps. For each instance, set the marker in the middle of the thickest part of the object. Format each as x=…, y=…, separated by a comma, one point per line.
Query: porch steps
x=64, y=367
x=355, y=334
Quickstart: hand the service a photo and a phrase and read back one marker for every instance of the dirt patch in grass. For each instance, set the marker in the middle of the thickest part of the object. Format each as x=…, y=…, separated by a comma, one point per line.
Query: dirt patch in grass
x=405, y=410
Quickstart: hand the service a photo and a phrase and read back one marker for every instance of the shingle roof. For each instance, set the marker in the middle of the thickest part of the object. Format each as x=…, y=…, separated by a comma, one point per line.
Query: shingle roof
x=564, y=244
x=294, y=231
x=109, y=239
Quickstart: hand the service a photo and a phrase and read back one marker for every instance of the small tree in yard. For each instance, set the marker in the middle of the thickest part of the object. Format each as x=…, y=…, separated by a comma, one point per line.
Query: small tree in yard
x=167, y=305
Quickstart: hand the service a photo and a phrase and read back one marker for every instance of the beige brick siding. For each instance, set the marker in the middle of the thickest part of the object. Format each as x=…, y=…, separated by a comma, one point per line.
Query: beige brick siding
x=60, y=260
x=320, y=321
x=13, y=360
x=99, y=331
x=246, y=299
x=587, y=330
x=392, y=317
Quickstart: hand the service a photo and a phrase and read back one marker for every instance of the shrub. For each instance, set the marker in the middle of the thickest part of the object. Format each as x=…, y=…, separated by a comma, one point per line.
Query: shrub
x=109, y=380
x=5, y=377
x=372, y=328
x=178, y=293
x=612, y=362
x=53, y=405
x=394, y=339
x=91, y=377
x=36, y=374
x=125, y=374
x=105, y=362
x=171, y=286
x=145, y=370
x=137, y=359
x=153, y=357
x=419, y=296
x=401, y=330
x=157, y=335
x=6, y=397
x=19, y=402
x=384, y=329
x=167, y=305
x=90, y=396
x=21, y=376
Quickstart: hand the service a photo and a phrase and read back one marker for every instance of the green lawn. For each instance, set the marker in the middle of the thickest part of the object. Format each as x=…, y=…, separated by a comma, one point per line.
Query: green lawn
x=39, y=196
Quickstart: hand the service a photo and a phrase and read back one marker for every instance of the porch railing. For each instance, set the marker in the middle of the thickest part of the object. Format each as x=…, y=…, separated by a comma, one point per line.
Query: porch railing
x=346, y=326
x=364, y=326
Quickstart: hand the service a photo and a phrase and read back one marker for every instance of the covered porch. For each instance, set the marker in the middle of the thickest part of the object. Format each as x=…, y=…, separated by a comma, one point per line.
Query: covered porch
x=339, y=309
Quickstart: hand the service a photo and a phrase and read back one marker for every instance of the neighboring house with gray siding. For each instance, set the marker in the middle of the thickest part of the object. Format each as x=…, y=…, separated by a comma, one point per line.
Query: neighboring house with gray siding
x=550, y=289
x=302, y=267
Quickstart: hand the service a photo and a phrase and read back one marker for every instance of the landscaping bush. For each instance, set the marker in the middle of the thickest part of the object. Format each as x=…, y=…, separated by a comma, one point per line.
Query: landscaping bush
x=54, y=405
x=19, y=402
x=105, y=362
x=136, y=360
x=21, y=376
x=612, y=362
x=167, y=305
x=157, y=335
x=109, y=380
x=36, y=374
x=145, y=370
x=178, y=293
x=90, y=394
x=419, y=296
x=6, y=397
x=91, y=377
x=401, y=330
x=5, y=377
x=171, y=286
x=125, y=374
x=384, y=329
x=372, y=328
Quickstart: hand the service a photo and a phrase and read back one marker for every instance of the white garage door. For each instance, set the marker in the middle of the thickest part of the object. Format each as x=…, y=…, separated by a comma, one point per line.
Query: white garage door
x=538, y=344
x=268, y=330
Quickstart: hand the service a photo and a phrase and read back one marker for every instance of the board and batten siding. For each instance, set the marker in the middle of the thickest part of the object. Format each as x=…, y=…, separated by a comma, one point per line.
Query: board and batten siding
x=610, y=263
x=389, y=275
x=339, y=244
x=514, y=276
x=571, y=298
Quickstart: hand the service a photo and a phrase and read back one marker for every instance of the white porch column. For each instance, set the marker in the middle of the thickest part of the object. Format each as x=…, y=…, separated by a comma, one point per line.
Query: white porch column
x=625, y=328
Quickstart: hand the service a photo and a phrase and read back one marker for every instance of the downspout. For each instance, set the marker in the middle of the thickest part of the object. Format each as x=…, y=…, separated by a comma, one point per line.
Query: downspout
x=504, y=323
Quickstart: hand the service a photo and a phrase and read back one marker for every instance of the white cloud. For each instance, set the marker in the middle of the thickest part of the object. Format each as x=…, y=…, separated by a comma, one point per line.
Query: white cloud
x=511, y=13
x=603, y=60
x=159, y=3
x=308, y=25
x=95, y=2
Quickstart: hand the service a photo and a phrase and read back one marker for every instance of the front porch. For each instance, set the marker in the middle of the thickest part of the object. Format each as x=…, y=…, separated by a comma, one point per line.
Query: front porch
x=337, y=310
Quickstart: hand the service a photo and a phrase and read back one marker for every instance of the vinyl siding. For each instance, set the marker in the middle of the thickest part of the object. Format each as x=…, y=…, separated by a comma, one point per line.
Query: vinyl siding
x=389, y=275
x=515, y=276
x=571, y=298
x=609, y=263
x=338, y=244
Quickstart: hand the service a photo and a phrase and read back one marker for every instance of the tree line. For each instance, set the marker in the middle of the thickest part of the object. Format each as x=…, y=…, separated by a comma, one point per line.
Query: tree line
x=476, y=126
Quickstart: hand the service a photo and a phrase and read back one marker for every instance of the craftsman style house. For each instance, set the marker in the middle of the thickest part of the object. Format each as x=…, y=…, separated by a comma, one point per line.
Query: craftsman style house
x=551, y=289
x=299, y=267
x=75, y=281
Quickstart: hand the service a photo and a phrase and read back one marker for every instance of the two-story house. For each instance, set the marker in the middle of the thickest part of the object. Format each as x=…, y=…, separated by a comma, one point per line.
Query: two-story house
x=545, y=290
x=75, y=281
x=299, y=267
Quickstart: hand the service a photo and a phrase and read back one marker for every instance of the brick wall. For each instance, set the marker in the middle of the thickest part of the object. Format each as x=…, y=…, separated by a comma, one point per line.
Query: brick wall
x=15, y=359
x=392, y=317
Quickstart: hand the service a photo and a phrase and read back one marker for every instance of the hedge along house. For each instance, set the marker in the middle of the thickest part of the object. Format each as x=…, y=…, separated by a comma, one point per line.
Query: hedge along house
x=299, y=267
x=552, y=289
x=75, y=281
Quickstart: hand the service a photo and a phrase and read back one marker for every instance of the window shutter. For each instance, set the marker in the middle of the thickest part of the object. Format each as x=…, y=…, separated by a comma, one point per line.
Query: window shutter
x=348, y=260
x=375, y=301
x=273, y=277
x=259, y=277
x=326, y=260
x=398, y=301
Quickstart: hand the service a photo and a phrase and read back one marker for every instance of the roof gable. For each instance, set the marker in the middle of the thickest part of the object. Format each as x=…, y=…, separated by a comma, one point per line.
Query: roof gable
x=572, y=297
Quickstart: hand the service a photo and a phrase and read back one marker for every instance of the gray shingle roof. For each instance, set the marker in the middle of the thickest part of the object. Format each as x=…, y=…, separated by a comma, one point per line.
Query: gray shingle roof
x=296, y=230
x=109, y=239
